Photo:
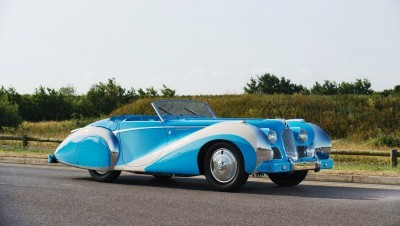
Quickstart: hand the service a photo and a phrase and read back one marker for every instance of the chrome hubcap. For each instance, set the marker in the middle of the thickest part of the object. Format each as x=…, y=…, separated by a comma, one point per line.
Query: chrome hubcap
x=223, y=165
x=101, y=172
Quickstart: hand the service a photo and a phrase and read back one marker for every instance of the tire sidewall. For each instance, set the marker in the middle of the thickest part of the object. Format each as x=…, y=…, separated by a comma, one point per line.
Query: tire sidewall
x=110, y=176
x=288, y=179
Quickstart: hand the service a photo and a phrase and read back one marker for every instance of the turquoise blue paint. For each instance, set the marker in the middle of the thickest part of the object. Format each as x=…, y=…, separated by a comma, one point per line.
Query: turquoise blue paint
x=184, y=159
x=93, y=152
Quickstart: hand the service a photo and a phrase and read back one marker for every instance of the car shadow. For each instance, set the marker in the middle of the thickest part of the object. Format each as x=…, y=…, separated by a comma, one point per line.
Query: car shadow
x=267, y=188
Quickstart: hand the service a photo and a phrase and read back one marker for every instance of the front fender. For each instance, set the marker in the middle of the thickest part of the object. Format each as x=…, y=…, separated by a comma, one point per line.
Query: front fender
x=322, y=142
x=181, y=156
x=318, y=138
x=90, y=147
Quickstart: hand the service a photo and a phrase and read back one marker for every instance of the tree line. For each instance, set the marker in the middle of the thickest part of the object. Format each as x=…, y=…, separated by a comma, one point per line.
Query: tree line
x=102, y=98
x=64, y=104
x=271, y=84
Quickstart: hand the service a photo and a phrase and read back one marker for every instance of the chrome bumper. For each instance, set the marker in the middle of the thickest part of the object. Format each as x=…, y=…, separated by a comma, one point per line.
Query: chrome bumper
x=306, y=166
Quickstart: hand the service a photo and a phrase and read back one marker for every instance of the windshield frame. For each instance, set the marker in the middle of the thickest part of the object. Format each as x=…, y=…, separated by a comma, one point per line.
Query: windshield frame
x=162, y=117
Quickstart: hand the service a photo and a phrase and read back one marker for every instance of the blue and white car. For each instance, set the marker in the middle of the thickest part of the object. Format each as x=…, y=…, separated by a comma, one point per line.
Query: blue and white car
x=185, y=138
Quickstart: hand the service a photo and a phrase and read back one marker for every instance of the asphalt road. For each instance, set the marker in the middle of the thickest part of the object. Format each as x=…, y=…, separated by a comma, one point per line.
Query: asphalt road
x=32, y=195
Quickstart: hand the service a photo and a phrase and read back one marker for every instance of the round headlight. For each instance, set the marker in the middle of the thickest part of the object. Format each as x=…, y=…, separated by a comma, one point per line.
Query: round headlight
x=303, y=136
x=272, y=136
x=310, y=151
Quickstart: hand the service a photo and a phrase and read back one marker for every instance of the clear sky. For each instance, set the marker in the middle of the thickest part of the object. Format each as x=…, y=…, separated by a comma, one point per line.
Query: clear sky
x=197, y=47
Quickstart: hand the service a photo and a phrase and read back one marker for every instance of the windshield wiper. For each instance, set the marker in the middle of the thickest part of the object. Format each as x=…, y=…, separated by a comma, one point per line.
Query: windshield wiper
x=193, y=112
x=161, y=108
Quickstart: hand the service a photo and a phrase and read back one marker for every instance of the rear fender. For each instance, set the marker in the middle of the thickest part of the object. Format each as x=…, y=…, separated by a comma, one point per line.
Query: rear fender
x=90, y=147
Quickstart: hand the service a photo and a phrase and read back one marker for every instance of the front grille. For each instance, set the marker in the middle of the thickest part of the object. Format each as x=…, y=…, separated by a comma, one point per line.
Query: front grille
x=277, y=153
x=289, y=144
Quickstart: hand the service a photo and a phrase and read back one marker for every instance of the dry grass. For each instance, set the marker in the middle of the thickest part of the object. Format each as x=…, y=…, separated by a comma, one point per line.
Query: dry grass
x=25, y=153
x=51, y=129
x=356, y=145
x=48, y=129
x=356, y=117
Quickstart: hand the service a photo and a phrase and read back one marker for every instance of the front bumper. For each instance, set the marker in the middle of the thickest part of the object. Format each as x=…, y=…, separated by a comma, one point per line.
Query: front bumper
x=282, y=166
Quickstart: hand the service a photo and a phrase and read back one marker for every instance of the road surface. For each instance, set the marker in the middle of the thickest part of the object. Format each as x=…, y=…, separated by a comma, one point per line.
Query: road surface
x=39, y=195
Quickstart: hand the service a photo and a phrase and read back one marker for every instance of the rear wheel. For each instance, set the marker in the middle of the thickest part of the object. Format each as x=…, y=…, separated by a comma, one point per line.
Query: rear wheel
x=288, y=179
x=224, y=167
x=108, y=176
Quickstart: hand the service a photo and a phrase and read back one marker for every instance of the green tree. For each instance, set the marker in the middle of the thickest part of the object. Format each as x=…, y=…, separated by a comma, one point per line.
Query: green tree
x=167, y=92
x=327, y=88
x=252, y=87
x=148, y=92
x=103, y=98
x=9, y=115
x=65, y=103
x=271, y=84
x=360, y=86
x=151, y=92
x=394, y=92
x=50, y=104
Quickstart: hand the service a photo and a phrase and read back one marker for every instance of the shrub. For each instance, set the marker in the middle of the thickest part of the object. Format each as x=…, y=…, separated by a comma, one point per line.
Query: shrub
x=386, y=140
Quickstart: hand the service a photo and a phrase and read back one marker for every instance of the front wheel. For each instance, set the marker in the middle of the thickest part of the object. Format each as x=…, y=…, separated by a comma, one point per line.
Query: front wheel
x=109, y=176
x=288, y=179
x=224, y=167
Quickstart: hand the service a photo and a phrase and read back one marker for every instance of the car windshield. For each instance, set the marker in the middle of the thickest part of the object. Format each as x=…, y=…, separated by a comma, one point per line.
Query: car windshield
x=174, y=109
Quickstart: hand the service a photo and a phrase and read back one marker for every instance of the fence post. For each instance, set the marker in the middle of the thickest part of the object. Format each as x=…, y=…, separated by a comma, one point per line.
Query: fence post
x=393, y=157
x=24, y=141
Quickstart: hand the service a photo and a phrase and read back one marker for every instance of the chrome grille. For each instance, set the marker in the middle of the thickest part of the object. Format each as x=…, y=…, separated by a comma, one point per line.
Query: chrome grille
x=289, y=144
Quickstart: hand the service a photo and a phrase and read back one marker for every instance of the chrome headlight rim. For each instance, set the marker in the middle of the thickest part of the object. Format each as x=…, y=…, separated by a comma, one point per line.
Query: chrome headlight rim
x=272, y=136
x=303, y=136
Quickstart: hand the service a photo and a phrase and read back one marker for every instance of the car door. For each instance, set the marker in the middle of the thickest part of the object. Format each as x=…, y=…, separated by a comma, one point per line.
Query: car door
x=178, y=129
x=141, y=142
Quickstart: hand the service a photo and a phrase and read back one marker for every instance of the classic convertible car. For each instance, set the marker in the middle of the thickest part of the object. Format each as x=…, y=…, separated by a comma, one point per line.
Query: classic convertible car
x=186, y=138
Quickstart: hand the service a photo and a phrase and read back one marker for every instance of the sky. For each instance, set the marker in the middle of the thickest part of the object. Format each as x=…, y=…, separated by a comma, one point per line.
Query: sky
x=197, y=47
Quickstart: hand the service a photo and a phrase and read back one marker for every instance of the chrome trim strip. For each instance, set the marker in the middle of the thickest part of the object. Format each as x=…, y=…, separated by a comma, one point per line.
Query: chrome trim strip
x=62, y=162
x=155, y=109
x=157, y=127
x=75, y=130
x=86, y=167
